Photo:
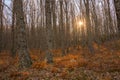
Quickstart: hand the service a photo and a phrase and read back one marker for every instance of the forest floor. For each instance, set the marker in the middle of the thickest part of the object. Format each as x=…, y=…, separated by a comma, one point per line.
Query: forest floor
x=79, y=64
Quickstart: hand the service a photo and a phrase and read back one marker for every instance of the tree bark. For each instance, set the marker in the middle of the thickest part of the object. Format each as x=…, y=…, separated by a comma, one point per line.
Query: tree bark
x=23, y=54
x=117, y=7
x=13, y=49
x=88, y=25
x=49, y=55
x=62, y=29
x=54, y=23
x=1, y=25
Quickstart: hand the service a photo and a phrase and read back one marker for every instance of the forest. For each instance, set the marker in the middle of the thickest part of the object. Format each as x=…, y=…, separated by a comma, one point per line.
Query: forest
x=59, y=39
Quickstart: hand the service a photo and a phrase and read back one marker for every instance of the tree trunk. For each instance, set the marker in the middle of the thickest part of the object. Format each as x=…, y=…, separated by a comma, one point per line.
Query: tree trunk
x=49, y=55
x=67, y=34
x=54, y=24
x=1, y=25
x=13, y=49
x=117, y=7
x=88, y=25
x=23, y=54
x=62, y=29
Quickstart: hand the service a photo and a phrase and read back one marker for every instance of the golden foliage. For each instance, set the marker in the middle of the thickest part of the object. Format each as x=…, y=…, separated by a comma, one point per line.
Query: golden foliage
x=70, y=61
x=34, y=57
x=105, y=60
x=54, y=70
x=39, y=65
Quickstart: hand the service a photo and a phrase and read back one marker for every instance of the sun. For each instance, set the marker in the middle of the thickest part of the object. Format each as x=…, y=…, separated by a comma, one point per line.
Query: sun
x=80, y=23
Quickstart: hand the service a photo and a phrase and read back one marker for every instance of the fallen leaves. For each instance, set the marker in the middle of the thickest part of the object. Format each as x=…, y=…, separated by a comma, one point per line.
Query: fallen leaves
x=78, y=65
x=39, y=65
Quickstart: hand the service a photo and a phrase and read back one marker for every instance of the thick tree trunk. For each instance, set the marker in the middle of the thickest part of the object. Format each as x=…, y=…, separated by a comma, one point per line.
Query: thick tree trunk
x=49, y=55
x=24, y=57
x=117, y=7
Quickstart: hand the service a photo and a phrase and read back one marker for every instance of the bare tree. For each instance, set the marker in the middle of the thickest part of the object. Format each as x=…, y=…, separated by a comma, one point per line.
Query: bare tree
x=53, y=8
x=62, y=28
x=1, y=25
x=13, y=49
x=88, y=25
x=49, y=55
